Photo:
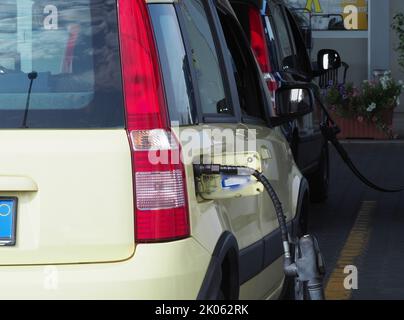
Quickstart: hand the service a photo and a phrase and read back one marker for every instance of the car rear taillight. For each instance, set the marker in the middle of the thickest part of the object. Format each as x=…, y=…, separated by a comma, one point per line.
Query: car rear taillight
x=259, y=46
x=258, y=43
x=161, y=209
x=271, y=82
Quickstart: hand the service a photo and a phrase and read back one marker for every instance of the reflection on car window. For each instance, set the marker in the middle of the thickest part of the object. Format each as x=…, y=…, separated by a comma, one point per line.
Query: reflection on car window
x=205, y=59
x=173, y=61
x=302, y=62
x=286, y=49
x=271, y=43
x=73, y=47
x=244, y=69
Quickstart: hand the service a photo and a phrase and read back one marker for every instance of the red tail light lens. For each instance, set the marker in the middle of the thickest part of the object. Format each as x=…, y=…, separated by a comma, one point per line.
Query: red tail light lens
x=161, y=212
x=271, y=82
x=258, y=42
x=260, y=48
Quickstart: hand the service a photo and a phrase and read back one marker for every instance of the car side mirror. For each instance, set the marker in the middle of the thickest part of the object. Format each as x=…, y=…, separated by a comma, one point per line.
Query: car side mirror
x=328, y=59
x=292, y=102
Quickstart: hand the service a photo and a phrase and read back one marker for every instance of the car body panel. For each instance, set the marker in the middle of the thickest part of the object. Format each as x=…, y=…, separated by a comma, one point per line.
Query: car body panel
x=166, y=271
x=82, y=210
x=265, y=285
x=249, y=219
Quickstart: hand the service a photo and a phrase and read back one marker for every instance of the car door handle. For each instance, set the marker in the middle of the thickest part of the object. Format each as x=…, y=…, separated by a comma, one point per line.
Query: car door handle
x=17, y=184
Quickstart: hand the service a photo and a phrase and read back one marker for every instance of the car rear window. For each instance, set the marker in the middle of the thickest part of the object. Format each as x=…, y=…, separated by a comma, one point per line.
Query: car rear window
x=73, y=48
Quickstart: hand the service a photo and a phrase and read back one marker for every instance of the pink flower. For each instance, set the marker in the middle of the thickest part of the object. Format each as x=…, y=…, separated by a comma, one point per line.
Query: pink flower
x=360, y=119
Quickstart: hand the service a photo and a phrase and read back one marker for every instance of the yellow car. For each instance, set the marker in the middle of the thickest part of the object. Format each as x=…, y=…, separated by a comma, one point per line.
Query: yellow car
x=104, y=108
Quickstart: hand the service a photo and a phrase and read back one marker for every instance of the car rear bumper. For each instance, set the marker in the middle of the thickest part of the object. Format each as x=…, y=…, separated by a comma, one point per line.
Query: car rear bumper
x=157, y=271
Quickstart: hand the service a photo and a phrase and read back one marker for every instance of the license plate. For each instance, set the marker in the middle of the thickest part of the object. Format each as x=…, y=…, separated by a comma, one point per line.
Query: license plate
x=8, y=214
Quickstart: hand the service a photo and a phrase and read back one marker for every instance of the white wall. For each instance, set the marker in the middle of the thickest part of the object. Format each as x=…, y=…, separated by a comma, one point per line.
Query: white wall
x=379, y=39
x=353, y=48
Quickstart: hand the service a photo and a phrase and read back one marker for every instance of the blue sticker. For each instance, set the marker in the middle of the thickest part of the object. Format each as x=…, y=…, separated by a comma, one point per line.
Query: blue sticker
x=7, y=220
x=234, y=182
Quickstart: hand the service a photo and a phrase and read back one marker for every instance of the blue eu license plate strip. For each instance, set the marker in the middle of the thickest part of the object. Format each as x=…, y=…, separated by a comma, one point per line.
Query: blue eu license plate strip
x=8, y=214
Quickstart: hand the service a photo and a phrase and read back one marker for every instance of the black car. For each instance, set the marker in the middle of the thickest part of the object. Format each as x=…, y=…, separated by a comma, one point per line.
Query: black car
x=280, y=48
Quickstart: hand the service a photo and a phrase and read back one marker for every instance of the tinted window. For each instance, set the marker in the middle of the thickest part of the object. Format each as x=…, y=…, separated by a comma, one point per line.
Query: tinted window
x=242, y=11
x=8, y=18
x=174, y=62
x=271, y=43
x=243, y=14
x=204, y=58
x=244, y=67
x=286, y=49
x=73, y=48
x=303, y=61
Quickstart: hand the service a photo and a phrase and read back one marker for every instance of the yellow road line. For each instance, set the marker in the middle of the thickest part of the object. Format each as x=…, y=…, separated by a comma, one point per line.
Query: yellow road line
x=354, y=246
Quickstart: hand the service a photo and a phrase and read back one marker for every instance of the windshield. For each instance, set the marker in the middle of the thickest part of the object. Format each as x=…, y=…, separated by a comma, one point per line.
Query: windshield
x=73, y=47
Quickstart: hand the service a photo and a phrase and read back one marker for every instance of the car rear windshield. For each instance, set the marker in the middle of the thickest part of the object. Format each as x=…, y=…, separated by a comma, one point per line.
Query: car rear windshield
x=69, y=50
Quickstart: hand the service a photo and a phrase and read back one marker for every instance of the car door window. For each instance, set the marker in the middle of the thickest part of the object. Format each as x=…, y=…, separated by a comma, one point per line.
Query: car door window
x=245, y=13
x=286, y=48
x=303, y=60
x=269, y=30
x=244, y=67
x=205, y=61
x=174, y=63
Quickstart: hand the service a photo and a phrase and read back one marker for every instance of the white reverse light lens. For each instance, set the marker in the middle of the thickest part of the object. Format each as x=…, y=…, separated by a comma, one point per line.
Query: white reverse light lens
x=159, y=190
x=150, y=140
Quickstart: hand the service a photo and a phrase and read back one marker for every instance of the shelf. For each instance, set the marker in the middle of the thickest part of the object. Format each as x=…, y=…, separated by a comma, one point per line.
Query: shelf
x=340, y=34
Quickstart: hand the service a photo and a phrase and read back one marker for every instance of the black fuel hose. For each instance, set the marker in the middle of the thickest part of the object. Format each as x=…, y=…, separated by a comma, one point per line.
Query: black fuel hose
x=330, y=130
x=279, y=211
x=200, y=169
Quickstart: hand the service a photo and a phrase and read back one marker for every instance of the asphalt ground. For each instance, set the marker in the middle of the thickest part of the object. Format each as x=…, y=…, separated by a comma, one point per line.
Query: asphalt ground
x=360, y=227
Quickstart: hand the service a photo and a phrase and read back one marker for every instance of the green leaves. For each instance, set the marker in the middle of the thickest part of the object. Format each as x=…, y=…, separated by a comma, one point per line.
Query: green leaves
x=398, y=27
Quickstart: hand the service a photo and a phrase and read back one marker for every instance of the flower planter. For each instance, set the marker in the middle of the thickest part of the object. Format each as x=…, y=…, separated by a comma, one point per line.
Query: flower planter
x=355, y=129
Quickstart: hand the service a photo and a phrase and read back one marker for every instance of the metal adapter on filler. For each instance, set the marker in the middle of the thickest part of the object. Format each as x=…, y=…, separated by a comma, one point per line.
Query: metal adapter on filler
x=306, y=266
